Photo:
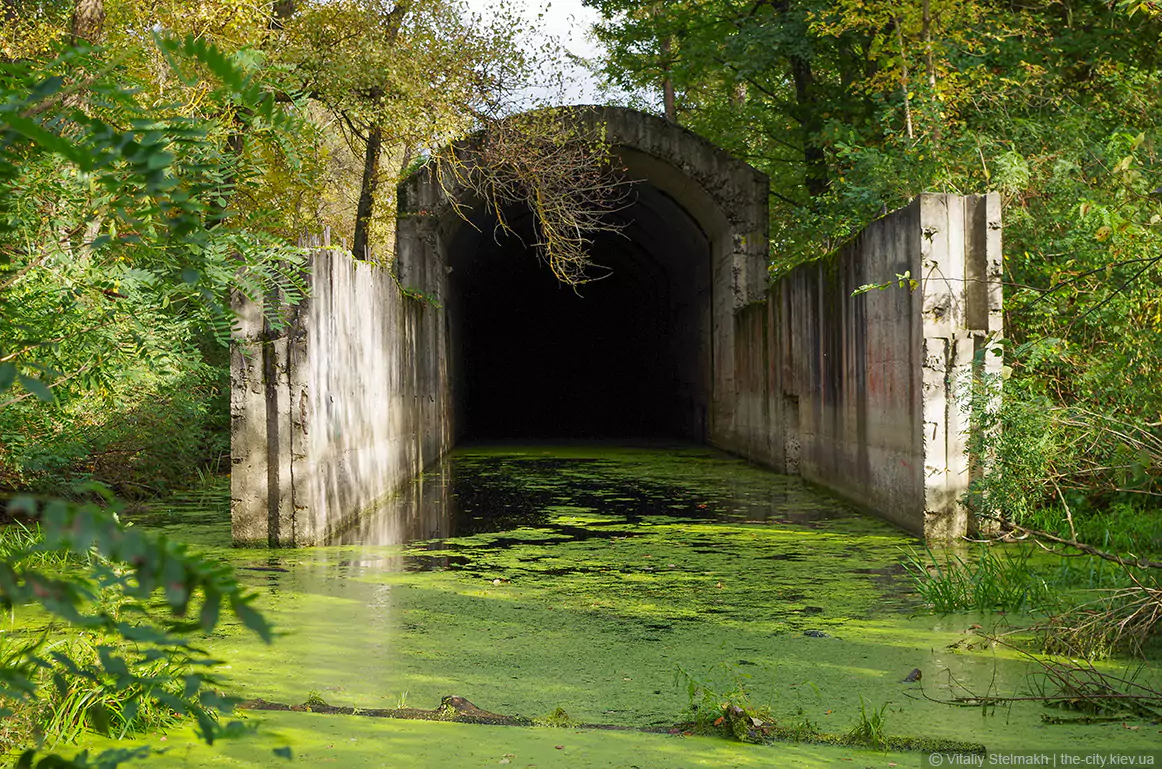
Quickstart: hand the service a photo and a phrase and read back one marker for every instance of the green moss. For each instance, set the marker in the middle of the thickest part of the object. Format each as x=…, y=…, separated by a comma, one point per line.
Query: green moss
x=558, y=719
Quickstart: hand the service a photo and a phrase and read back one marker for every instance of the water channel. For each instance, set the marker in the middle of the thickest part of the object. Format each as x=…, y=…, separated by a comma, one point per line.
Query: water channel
x=601, y=580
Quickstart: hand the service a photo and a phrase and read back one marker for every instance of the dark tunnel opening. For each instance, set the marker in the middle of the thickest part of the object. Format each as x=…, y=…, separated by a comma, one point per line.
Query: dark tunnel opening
x=625, y=356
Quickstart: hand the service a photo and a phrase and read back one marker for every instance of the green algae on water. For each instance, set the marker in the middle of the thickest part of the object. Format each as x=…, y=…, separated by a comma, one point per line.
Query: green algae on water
x=581, y=579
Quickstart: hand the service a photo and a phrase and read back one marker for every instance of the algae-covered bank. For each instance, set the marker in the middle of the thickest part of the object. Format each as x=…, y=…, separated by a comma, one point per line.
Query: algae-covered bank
x=613, y=587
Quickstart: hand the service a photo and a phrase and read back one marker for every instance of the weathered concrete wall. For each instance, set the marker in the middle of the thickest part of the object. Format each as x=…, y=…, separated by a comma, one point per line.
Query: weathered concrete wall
x=338, y=410
x=865, y=394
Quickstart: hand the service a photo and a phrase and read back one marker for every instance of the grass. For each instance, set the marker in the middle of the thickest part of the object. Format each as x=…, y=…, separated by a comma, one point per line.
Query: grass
x=77, y=694
x=23, y=544
x=870, y=728
x=84, y=679
x=998, y=579
x=722, y=704
x=1094, y=622
x=89, y=695
x=1122, y=527
x=1122, y=621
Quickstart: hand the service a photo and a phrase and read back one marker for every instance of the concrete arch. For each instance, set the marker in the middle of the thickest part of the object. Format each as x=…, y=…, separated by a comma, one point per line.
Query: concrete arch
x=727, y=197
x=692, y=252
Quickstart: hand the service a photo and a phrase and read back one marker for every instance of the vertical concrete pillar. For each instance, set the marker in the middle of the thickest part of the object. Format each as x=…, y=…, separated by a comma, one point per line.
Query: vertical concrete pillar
x=262, y=432
x=338, y=407
x=248, y=425
x=961, y=315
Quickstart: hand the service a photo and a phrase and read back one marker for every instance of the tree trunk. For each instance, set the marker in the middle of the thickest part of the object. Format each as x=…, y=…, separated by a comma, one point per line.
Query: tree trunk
x=806, y=112
x=904, y=82
x=738, y=94
x=668, y=102
x=88, y=21
x=930, y=64
x=361, y=243
x=280, y=12
x=394, y=19
x=815, y=175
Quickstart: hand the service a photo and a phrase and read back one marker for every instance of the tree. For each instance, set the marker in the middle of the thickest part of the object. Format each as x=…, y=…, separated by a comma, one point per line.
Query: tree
x=113, y=282
x=371, y=66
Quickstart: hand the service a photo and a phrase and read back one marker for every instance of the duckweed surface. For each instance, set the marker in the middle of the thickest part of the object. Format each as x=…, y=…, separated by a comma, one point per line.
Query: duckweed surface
x=600, y=581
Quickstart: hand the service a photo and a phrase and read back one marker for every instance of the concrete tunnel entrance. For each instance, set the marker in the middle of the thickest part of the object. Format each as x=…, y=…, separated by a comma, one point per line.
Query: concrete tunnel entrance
x=367, y=384
x=644, y=351
x=624, y=356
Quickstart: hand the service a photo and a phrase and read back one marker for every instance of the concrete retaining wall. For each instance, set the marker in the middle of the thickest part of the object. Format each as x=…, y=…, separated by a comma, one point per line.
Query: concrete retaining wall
x=864, y=394
x=336, y=411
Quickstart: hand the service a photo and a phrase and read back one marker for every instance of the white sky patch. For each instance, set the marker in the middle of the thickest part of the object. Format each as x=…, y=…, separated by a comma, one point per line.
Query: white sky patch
x=568, y=22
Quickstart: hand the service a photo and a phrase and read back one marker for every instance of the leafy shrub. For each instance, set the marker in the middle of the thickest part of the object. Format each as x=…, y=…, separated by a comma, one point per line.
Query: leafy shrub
x=144, y=438
x=115, y=252
x=1069, y=470
x=126, y=664
x=723, y=704
x=870, y=728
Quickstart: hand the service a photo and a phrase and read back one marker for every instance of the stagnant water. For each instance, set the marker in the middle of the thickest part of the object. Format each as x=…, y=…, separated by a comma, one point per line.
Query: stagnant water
x=602, y=580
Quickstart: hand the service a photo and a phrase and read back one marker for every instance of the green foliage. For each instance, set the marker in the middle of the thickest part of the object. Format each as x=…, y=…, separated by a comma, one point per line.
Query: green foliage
x=998, y=579
x=145, y=434
x=114, y=237
x=23, y=543
x=369, y=68
x=117, y=250
x=903, y=280
x=558, y=719
x=132, y=599
x=870, y=729
x=724, y=705
x=87, y=697
x=315, y=700
x=1074, y=471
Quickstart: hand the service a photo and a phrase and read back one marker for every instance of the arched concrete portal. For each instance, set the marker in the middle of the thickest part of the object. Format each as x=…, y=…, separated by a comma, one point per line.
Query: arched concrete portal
x=639, y=352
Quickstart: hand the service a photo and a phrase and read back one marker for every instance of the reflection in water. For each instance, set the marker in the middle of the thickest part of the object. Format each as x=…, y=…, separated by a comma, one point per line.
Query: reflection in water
x=419, y=511
x=490, y=490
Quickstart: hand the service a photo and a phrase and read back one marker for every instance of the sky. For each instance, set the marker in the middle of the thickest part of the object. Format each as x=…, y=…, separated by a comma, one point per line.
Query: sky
x=569, y=22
